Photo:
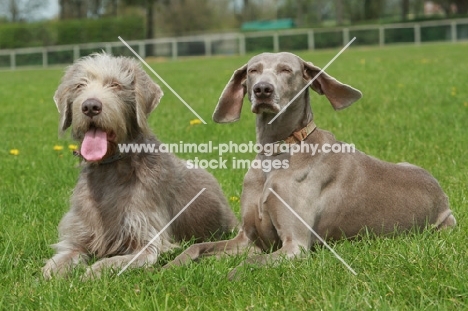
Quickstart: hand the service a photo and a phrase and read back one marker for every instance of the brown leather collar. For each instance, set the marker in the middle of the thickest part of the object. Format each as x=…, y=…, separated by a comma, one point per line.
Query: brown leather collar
x=295, y=138
x=300, y=135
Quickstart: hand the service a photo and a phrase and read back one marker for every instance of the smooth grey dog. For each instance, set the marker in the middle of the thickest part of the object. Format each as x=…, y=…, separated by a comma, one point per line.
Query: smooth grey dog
x=122, y=201
x=337, y=194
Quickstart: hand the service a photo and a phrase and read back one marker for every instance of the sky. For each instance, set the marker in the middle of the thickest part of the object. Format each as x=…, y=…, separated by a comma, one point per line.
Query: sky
x=49, y=11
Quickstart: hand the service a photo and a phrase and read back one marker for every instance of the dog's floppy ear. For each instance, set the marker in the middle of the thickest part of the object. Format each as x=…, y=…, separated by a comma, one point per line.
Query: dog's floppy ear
x=340, y=95
x=230, y=103
x=63, y=106
x=147, y=96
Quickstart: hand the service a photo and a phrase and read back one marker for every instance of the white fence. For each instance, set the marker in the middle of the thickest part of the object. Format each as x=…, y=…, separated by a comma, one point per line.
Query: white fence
x=241, y=43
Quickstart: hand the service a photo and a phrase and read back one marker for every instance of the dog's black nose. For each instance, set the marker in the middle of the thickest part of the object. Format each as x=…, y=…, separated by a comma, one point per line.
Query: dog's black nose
x=263, y=89
x=91, y=107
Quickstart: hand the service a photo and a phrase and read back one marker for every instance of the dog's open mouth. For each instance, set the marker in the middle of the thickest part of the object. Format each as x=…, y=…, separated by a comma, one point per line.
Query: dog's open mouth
x=94, y=145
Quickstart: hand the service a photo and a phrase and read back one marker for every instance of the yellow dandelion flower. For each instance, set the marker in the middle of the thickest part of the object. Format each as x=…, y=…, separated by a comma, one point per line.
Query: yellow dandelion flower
x=453, y=91
x=72, y=147
x=424, y=61
x=363, y=61
x=14, y=152
x=234, y=199
x=195, y=121
x=58, y=148
x=465, y=104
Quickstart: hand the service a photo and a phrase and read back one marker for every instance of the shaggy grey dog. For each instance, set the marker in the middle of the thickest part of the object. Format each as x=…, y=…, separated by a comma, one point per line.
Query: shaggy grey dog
x=122, y=201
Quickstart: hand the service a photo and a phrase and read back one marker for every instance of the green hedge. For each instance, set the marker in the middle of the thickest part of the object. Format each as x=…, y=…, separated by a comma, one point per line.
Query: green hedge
x=259, y=44
x=329, y=39
x=293, y=42
x=71, y=32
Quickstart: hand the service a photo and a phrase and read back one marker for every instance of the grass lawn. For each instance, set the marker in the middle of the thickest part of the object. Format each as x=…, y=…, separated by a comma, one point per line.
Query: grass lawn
x=414, y=109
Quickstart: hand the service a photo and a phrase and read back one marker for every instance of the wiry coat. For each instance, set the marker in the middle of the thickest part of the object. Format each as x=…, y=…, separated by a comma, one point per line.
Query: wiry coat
x=118, y=207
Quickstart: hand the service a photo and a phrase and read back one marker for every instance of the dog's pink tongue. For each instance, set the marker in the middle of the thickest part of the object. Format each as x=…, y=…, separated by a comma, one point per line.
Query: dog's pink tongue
x=94, y=145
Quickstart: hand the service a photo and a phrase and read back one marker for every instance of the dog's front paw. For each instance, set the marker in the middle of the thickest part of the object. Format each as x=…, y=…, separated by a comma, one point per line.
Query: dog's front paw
x=52, y=269
x=47, y=271
x=91, y=274
x=97, y=269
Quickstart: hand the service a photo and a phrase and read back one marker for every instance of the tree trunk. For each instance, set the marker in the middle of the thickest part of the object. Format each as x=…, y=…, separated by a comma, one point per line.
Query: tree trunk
x=339, y=12
x=62, y=9
x=372, y=9
x=114, y=4
x=299, y=13
x=149, y=19
x=368, y=12
x=404, y=9
x=149, y=26
x=462, y=6
x=14, y=11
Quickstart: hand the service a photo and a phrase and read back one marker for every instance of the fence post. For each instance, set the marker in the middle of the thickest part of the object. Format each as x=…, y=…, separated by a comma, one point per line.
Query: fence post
x=44, y=58
x=108, y=48
x=345, y=36
x=310, y=40
x=381, y=36
x=174, y=49
x=453, y=31
x=207, y=46
x=12, y=60
x=275, y=42
x=76, y=52
x=417, y=34
x=241, y=44
x=141, y=49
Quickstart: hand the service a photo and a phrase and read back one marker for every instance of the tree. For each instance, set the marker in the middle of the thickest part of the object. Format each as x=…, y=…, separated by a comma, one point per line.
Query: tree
x=70, y=9
x=185, y=16
x=306, y=12
x=149, y=7
x=21, y=10
x=373, y=9
x=447, y=5
x=339, y=12
x=404, y=9
x=77, y=9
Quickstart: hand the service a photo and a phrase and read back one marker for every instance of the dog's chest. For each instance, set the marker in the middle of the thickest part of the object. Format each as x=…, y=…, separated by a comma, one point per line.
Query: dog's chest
x=119, y=215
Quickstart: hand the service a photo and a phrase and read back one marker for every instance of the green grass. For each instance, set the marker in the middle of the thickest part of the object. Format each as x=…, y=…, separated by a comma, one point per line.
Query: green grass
x=414, y=109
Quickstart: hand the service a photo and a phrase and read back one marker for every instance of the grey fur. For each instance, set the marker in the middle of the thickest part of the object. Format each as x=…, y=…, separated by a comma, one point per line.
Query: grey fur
x=118, y=207
x=338, y=194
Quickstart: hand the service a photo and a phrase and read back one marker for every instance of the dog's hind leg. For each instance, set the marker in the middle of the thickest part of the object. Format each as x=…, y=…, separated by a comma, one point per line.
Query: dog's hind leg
x=445, y=220
x=290, y=249
x=227, y=247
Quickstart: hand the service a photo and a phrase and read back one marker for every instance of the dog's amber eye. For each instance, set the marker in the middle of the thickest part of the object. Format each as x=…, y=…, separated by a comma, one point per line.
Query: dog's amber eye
x=115, y=85
x=253, y=70
x=285, y=70
x=80, y=86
